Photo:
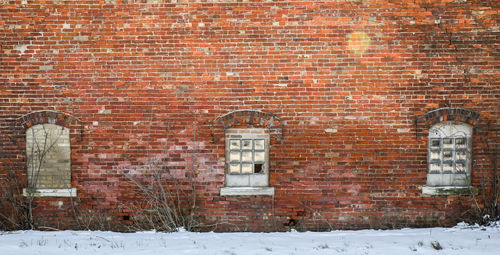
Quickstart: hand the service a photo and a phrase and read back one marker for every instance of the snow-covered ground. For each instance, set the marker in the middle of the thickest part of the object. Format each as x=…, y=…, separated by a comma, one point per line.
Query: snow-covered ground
x=461, y=239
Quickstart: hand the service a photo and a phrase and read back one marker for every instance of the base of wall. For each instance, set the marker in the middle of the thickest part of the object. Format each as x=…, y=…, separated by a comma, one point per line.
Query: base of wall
x=449, y=191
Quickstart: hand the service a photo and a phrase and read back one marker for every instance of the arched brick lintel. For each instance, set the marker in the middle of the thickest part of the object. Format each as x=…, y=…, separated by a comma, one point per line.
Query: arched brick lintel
x=451, y=114
x=51, y=117
x=427, y=120
x=249, y=119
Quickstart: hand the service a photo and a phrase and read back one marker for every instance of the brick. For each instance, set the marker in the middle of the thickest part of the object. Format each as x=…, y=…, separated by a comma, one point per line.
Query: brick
x=346, y=89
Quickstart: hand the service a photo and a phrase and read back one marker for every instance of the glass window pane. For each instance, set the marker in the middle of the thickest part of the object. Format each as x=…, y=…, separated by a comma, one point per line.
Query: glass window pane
x=234, y=156
x=246, y=144
x=435, y=143
x=246, y=156
x=460, y=143
x=447, y=155
x=234, y=144
x=260, y=156
x=447, y=167
x=461, y=155
x=259, y=144
x=434, y=155
x=436, y=167
x=460, y=167
x=234, y=168
x=246, y=168
x=447, y=143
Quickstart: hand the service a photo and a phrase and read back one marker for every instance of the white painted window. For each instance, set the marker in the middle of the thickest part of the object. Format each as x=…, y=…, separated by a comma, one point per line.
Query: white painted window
x=449, y=154
x=48, y=161
x=247, y=162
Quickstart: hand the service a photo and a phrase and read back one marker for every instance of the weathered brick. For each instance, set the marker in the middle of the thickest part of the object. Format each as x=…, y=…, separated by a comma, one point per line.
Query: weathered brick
x=342, y=86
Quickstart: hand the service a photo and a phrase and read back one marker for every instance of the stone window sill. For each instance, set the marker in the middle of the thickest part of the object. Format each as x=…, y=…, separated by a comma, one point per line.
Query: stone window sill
x=247, y=191
x=431, y=191
x=51, y=192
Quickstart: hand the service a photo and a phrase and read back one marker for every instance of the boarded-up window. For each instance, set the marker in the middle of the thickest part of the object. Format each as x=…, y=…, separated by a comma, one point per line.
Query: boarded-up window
x=48, y=154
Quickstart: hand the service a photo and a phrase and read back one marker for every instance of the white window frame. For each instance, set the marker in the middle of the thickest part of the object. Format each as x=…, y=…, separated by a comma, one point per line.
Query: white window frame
x=247, y=171
x=449, y=159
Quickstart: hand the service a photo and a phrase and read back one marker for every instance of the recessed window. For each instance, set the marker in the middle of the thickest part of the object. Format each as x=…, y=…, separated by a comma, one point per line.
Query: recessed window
x=48, y=155
x=449, y=154
x=247, y=162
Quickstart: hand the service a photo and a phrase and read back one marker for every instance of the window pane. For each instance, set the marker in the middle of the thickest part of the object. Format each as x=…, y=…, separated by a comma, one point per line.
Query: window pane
x=234, y=144
x=447, y=143
x=435, y=143
x=247, y=144
x=234, y=156
x=460, y=143
x=447, y=155
x=447, y=167
x=461, y=155
x=246, y=168
x=436, y=167
x=460, y=167
x=259, y=144
x=434, y=155
x=234, y=168
x=246, y=156
x=259, y=156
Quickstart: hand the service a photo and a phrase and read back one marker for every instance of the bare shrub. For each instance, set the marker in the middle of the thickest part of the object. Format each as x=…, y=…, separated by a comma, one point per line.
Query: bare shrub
x=17, y=211
x=487, y=209
x=165, y=202
x=14, y=209
x=93, y=218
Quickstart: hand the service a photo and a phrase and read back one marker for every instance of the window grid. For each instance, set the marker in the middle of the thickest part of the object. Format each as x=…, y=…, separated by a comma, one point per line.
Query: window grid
x=448, y=155
x=246, y=156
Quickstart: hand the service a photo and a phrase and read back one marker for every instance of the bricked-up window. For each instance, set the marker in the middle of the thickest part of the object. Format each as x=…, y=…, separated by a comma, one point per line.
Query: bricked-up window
x=449, y=154
x=247, y=162
x=48, y=160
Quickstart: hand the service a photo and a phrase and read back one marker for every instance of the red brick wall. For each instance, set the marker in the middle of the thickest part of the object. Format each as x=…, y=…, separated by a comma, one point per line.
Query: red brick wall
x=348, y=79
